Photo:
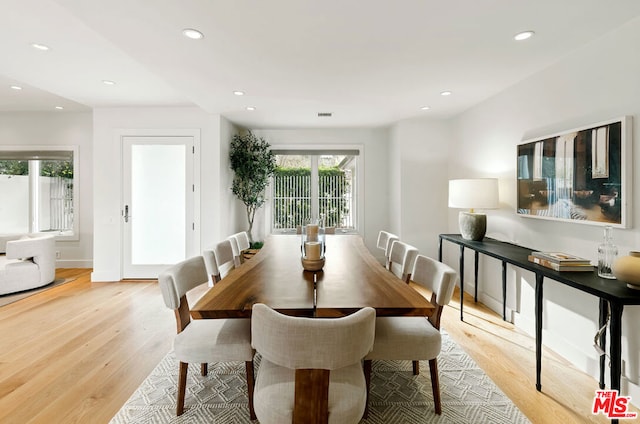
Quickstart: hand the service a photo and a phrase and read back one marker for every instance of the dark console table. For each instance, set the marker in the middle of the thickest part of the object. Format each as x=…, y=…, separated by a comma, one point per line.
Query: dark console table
x=613, y=294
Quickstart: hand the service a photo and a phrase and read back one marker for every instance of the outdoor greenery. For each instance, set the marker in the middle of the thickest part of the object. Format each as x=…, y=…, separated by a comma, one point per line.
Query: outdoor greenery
x=252, y=163
x=292, y=194
x=48, y=168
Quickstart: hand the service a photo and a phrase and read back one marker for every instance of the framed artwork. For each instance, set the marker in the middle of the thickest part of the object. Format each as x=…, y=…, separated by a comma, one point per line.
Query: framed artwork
x=581, y=175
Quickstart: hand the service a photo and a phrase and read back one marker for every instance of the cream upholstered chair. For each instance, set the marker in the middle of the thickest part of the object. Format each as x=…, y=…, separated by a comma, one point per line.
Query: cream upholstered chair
x=314, y=356
x=385, y=239
x=242, y=239
x=237, y=254
x=417, y=338
x=401, y=259
x=203, y=340
x=219, y=260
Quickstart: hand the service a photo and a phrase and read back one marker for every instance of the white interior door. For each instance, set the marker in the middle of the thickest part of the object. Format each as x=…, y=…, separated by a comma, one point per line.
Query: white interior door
x=158, y=218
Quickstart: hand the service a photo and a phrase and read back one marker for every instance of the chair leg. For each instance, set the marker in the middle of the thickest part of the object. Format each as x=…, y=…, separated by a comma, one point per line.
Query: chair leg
x=435, y=385
x=204, y=369
x=416, y=367
x=182, y=385
x=367, y=379
x=250, y=386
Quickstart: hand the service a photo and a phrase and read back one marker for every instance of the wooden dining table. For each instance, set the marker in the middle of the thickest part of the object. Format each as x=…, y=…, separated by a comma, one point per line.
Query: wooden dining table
x=351, y=279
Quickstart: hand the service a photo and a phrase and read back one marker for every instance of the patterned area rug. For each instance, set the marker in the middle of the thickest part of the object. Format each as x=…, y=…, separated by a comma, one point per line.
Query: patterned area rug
x=397, y=397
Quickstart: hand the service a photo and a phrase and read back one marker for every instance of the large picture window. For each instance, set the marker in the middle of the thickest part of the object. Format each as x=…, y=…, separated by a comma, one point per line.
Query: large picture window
x=319, y=185
x=38, y=191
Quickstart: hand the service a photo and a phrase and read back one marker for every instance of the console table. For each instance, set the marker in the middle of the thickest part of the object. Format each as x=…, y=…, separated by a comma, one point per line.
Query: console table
x=613, y=294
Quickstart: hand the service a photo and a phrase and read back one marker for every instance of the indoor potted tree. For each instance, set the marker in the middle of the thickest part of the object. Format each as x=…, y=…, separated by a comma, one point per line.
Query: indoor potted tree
x=252, y=162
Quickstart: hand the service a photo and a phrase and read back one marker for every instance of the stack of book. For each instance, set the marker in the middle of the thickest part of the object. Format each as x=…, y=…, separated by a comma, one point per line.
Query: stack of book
x=560, y=261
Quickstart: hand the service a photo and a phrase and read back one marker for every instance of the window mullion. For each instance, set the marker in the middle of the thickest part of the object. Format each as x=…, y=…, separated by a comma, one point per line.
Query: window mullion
x=34, y=195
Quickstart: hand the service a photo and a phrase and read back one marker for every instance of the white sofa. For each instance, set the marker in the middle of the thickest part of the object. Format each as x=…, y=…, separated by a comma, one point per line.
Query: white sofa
x=30, y=262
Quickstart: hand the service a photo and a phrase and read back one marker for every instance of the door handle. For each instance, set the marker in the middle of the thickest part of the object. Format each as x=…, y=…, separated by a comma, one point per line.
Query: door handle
x=126, y=213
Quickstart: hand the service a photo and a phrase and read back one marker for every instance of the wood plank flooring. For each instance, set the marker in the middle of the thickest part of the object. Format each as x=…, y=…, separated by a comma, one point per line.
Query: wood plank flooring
x=75, y=353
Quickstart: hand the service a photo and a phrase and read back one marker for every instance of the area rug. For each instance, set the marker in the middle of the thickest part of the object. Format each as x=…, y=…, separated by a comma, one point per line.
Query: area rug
x=468, y=394
x=6, y=299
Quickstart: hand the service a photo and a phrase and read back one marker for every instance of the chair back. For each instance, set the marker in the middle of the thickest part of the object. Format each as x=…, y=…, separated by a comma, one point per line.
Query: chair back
x=223, y=252
x=401, y=259
x=243, y=241
x=312, y=343
x=237, y=253
x=437, y=277
x=211, y=264
x=385, y=240
x=176, y=281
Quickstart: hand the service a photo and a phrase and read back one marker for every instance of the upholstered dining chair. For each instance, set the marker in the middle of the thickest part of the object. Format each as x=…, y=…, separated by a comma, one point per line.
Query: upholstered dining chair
x=402, y=256
x=219, y=260
x=316, y=357
x=203, y=340
x=237, y=254
x=242, y=239
x=385, y=240
x=417, y=338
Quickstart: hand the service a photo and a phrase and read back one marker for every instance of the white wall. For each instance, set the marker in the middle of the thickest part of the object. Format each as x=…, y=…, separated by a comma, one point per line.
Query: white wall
x=232, y=211
x=376, y=187
x=597, y=82
x=57, y=129
x=420, y=182
x=108, y=182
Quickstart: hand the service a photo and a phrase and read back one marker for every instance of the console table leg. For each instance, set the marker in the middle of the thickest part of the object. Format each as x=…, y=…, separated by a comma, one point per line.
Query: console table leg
x=461, y=281
x=504, y=291
x=539, y=280
x=604, y=309
x=616, y=344
x=475, y=273
x=440, y=249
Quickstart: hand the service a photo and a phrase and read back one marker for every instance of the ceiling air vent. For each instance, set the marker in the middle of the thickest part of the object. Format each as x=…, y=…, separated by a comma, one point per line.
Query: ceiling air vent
x=324, y=114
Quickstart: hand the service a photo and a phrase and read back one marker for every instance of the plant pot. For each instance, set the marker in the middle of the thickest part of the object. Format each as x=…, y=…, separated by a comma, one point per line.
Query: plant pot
x=627, y=269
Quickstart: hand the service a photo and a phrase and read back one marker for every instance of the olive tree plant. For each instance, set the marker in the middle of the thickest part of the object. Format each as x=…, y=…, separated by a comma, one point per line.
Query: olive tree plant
x=252, y=162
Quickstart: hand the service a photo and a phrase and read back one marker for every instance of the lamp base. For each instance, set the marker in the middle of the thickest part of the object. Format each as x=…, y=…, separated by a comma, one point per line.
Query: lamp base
x=473, y=226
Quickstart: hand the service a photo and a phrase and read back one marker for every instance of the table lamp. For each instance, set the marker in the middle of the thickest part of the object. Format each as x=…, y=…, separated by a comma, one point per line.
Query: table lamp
x=477, y=193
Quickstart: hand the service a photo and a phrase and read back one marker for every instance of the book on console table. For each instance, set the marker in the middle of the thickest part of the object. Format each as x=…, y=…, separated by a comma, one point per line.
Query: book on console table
x=561, y=258
x=559, y=266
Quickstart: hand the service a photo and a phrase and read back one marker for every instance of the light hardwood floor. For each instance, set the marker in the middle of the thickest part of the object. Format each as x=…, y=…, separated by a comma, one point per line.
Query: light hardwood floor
x=75, y=353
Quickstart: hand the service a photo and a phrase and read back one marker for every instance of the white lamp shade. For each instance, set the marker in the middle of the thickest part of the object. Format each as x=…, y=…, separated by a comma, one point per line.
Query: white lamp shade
x=477, y=193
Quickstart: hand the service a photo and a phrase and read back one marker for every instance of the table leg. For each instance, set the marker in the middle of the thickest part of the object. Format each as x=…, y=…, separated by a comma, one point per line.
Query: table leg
x=461, y=281
x=602, y=342
x=440, y=249
x=539, y=279
x=475, y=274
x=615, y=351
x=504, y=291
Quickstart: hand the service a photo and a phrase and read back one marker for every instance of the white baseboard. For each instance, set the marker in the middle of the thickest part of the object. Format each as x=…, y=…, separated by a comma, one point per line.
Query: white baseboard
x=102, y=276
x=74, y=263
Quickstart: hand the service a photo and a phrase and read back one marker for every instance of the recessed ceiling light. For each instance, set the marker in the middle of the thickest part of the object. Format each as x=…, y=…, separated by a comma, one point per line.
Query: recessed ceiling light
x=523, y=35
x=59, y=107
x=445, y=93
x=238, y=93
x=39, y=46
x=108, y=82
x=16, y=87
x=251, y=108
x=425, y=108
x=194, y=34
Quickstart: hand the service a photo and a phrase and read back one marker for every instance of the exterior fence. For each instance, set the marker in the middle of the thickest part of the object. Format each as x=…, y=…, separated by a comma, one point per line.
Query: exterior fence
x=291, y=199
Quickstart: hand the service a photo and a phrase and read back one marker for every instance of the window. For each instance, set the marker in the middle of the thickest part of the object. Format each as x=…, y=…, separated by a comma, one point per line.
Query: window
x=38, y=190
x=319, y=185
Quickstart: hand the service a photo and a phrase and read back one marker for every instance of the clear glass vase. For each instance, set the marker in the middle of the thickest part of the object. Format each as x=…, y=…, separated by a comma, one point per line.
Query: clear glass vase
x=607, y=253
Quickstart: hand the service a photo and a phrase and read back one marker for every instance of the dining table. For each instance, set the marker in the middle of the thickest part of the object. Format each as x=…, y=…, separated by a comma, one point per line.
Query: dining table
x=351, y=278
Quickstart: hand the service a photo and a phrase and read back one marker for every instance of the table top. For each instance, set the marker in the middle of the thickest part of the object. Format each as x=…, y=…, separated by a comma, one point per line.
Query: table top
x=589, y=282
x=351, y=279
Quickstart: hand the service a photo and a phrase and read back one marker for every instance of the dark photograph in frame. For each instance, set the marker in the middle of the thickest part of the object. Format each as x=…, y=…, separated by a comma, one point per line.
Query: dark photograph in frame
x=581, y=175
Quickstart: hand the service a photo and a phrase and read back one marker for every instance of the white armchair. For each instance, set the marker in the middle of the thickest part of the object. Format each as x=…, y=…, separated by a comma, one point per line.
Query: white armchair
x=29, y=262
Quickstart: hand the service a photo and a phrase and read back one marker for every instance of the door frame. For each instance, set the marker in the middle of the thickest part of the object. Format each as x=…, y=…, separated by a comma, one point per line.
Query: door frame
x=194, y=248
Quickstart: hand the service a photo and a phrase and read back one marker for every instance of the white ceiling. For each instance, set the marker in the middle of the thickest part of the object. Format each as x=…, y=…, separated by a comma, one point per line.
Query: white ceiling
x=370, y=63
